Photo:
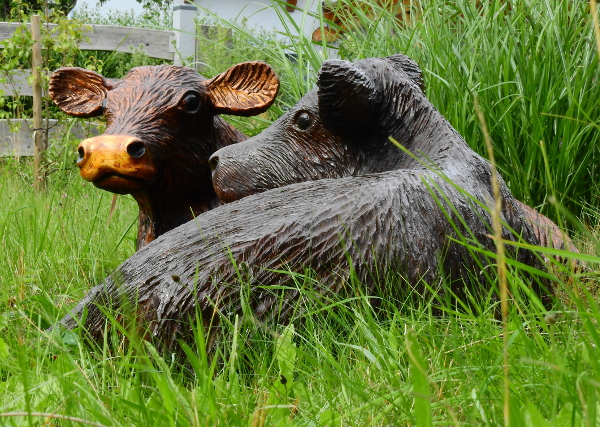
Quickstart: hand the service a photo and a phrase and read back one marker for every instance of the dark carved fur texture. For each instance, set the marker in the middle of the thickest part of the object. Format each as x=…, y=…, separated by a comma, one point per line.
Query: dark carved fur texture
x=403, y=211
x=343, y=128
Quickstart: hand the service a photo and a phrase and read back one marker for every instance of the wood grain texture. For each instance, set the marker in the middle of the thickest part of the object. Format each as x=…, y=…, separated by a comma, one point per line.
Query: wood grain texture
x=371, y=209
x=347, y=122
x=305, y=225
x=161, y=128
x=244, y=90
x=154, y=43
x=38, y=140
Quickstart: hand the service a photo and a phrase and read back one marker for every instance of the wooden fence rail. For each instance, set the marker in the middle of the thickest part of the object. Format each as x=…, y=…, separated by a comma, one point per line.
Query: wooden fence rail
x=154, y=43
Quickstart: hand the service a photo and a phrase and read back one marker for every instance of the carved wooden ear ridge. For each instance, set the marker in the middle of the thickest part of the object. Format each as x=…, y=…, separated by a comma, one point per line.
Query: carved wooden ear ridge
x=344, y=94
x=245, y=89
x=408, y=66
x=78, y=92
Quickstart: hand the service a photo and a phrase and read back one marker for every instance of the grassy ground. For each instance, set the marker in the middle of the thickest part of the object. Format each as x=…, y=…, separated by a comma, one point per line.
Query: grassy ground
x=398, y=365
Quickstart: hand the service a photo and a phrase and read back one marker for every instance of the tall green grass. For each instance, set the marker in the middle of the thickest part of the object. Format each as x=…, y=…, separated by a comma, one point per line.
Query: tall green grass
x=533, y=66
x=345, y=363
x=414, y=360
x=60, y=241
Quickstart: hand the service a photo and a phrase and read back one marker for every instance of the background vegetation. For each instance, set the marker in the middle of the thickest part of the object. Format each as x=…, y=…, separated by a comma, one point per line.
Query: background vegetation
x=60, y=46
x=11, y=8
x=531, y=65
x=533, y=68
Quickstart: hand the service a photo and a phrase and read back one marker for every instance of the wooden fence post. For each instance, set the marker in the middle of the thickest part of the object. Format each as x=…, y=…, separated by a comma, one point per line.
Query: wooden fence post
x=38, y=140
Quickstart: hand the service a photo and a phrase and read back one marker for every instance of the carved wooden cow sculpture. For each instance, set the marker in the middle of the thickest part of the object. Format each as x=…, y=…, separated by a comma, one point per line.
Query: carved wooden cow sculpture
x=399, y=215
x=162, y=126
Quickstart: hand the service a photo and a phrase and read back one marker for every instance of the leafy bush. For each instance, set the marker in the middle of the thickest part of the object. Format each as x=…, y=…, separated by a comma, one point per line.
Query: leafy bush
x=60, y=48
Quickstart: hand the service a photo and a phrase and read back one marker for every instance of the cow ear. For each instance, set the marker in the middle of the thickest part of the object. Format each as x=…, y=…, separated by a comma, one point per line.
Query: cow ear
x=245, y=89
x=405, y=64
x=78, y=92
x=346, y=95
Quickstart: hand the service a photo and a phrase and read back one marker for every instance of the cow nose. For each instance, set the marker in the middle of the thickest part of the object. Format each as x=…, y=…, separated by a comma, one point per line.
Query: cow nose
x=80, y=153
x=134, y=147
x=123, y=155
x=83, y=152
x=214, y=163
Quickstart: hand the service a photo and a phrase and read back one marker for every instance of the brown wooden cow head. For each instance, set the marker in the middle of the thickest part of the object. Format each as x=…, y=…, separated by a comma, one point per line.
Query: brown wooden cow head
x=162, y=126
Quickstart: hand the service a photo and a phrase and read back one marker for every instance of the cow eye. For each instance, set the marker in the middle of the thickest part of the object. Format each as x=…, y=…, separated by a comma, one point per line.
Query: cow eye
x=190, y=103
x=303, y=120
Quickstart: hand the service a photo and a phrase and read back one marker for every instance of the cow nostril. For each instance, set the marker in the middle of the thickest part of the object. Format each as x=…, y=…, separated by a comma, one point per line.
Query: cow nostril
x=81, y=154
x=136, y=149
x=213, y=162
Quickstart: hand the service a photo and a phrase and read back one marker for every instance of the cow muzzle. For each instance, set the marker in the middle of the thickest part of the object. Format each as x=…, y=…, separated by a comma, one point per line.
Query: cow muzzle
x=118, y=163
x=232, y=179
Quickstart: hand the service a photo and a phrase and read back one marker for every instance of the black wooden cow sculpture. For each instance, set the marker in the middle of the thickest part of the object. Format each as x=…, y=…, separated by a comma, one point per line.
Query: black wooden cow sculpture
x=399, y=213
x=162, y=126
x=342, y=129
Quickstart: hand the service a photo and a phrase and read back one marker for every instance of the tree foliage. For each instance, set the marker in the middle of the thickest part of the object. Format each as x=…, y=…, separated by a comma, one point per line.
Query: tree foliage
x=12, y=9
x=146, y=3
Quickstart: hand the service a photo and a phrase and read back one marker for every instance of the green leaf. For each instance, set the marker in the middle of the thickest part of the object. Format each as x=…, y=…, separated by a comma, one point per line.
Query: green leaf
x=3, y=350
x=533, y=417
x=69, y=337
x=419, y=378
x=285, y=354
x=568, y=416
x=329, y=417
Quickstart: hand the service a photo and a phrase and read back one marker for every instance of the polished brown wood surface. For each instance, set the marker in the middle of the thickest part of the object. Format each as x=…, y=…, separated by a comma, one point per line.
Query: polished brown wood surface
x=391, y=219
x=162, y=126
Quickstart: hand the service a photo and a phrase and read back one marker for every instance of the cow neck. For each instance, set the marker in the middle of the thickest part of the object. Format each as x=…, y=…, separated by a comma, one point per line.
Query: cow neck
x=157, y=216
x=419, y=128
x=160, y=211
